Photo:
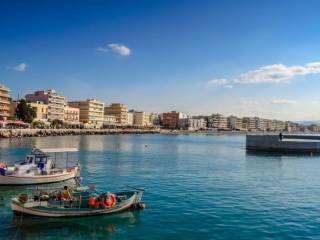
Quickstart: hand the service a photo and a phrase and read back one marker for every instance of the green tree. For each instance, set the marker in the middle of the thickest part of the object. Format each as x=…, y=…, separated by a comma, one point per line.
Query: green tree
x=25, y=112
x=38, y=124
x=56, y=123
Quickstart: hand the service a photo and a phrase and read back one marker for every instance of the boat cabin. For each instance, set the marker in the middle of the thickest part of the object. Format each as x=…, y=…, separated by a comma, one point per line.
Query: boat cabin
x=36, y=159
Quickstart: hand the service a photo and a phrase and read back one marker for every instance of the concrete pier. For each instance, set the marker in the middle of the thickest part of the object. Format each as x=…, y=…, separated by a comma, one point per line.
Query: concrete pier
x=298, y=143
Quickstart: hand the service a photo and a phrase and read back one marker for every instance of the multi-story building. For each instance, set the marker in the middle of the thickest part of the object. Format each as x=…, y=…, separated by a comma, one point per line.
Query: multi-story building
x=13, y=108
x=291, y=126
x=270, y=125
x=314, y=128
x=130, y=118
x=120, y=111
x=91, y=111
x=71, y=115
x=4, y=102
x=235, y=123
x=217, y=121
x=192, y=123
x=141, y=119
x=54, y=101
x=249, y=123
x=154, y=119
x=110, y=120
x=280, y=125
x=171, y=119
x=41, y=110
x=260, y=124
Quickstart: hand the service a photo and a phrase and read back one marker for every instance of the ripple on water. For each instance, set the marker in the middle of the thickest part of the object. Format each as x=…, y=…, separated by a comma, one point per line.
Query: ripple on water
x=198, y=187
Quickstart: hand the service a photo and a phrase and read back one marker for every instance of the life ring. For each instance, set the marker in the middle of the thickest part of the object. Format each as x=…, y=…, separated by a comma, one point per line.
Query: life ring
x=111, y=200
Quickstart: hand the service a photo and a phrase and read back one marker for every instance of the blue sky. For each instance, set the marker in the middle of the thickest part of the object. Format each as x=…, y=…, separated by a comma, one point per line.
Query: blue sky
x=250, y=58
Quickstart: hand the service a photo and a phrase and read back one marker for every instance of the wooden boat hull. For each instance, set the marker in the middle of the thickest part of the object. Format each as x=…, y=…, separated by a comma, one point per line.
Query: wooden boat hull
x=45, y=211
x=41, y=179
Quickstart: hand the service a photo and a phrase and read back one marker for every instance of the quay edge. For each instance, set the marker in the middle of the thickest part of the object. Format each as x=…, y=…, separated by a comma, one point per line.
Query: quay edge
x=295, y=143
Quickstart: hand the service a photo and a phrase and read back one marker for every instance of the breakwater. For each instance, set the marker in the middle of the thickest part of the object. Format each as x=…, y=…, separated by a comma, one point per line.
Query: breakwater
x=298, y=143
x=18, y=133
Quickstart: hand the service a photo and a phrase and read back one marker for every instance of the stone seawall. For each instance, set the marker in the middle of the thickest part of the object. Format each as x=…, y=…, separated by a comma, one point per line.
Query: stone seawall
x=17, y=133
x=302, y=143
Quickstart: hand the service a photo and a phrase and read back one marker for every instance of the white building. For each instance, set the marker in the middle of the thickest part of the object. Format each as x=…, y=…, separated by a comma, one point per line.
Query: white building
x=192, y=123
x=54, y=101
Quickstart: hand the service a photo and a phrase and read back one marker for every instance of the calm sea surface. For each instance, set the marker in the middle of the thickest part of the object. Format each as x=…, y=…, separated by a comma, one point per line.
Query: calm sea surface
x=198, y=187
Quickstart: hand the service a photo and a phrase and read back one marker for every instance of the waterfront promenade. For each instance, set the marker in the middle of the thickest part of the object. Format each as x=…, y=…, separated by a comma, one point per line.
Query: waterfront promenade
x=33, y=132
x=16, y=133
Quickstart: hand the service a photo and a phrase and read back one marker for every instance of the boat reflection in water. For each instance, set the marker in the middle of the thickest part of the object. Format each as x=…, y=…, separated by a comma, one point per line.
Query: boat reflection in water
x=85, y=228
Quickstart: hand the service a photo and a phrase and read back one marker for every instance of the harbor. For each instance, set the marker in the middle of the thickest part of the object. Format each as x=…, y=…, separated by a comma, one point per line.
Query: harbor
x=159, y=120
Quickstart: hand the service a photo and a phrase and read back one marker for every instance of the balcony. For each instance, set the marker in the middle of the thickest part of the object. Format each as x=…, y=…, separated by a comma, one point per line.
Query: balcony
x=4, y=101
x=4, y=113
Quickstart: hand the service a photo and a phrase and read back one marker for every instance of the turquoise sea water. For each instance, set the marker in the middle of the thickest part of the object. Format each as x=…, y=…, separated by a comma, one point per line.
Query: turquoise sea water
x=198, y=187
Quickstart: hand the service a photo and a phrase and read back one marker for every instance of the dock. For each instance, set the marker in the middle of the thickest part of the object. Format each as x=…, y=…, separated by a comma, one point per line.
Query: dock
x=295, y=143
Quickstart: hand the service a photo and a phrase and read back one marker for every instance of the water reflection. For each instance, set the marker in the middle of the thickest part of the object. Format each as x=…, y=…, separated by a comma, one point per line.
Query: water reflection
x=258, y=163
x=84, y=228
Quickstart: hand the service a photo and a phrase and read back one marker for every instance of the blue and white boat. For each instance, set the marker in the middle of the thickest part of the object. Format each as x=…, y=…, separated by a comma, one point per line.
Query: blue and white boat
x=39, y=167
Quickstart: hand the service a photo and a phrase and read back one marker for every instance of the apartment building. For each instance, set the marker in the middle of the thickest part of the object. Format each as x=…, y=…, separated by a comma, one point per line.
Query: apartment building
x=235, y=123
x=280, y=125
x=13, y=108
x=110, y=120
x=91, y=111
x=249, y=123
x=120, y=111
x=192, y=123
x=260, y=124
x=291, y=126
x=4, y=102
x=314, y=128
x=141, y=119
x=130, y=117
x=270, y=125
x=217, y=121
x=71, y=115
x=41, y=110
x=54, y=101
x=154, y=119
x=171, y=119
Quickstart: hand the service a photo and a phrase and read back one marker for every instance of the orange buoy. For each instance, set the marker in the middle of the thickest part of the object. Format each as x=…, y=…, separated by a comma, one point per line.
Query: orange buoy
x=91, y=201
x=96, y=203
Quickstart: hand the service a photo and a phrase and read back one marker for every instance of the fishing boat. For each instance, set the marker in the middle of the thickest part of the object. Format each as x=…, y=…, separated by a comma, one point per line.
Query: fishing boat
x=39, y=167
x=82, y=201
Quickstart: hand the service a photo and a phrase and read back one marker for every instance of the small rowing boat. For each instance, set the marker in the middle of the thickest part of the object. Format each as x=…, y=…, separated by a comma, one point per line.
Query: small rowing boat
x=76, y=202
x=39, y=167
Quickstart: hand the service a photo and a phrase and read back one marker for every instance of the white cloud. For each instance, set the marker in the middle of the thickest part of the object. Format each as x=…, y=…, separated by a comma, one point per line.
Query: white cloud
x=283, y=102
x=120, y=49
x=248, y=103
x=275, y=73
x=116, y=48
x=229, y=86
x=103, y=49
x=221, y=81
x=20, y=67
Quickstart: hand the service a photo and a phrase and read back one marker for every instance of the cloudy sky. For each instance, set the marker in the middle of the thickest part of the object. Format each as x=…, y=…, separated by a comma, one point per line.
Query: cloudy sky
x=249, y=58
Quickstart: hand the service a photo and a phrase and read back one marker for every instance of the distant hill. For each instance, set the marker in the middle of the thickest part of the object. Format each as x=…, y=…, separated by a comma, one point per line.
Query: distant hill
x=306, y=123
